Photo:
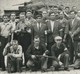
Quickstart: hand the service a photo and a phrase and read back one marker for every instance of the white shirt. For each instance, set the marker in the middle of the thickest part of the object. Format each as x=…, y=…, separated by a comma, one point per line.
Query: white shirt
x=13, y=24
x=18, y=50
x=6, y=29
x=38, y=26
x=52, y=25
x=73, y=21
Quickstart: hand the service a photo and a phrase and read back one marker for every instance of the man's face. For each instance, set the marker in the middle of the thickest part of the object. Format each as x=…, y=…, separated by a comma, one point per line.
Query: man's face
x=36, y=42
x=78, y=14
x=67, y=10
x=29, y=14
x=52, y=16
x=39, y=19
x=58, y=41
x=74, y=8
x=5, y=18
x=72, y=15
x=61, y=15
x=55, y=10
x=22, y=16
x=15, y=45
x=62, y=7
x=13, y=16
x=45, y=14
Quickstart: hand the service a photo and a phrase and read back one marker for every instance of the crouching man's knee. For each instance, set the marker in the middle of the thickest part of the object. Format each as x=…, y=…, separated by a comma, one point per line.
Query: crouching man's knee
x=19, y=59
x=55, y=64
x=44, y=63
x=30, y=64
x=66, y=55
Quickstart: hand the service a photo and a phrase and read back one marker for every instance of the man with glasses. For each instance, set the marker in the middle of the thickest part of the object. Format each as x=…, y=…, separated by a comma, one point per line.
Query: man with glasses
x=60, y=52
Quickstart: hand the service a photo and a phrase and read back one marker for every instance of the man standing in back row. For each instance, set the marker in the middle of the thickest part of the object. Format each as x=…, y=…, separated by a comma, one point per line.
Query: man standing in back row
x=73, y=32
x=6, y=29
x=39, y=28
x=53, y=27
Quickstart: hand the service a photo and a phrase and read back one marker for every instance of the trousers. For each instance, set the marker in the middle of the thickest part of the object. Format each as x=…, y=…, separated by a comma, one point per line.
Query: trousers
x=40, y=63
x=14, y=64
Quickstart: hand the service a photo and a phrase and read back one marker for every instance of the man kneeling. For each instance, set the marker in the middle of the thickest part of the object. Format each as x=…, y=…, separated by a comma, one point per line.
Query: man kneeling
x=14, y=56
x=60, y=52
x=36, y=54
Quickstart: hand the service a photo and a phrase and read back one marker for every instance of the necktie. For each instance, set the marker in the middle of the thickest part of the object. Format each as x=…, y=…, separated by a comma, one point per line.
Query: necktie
x=39, y=26
x=52, y=25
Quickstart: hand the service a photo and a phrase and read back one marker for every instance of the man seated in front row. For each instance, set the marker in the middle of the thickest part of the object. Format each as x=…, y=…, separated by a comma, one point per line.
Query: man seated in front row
x=60, y=52
x=36, y=56
x=14, y=56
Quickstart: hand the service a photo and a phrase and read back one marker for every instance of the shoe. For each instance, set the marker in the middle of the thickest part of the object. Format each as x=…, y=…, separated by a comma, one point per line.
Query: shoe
x=27, y=69
x=3, y=69
x=56, y=69
x=44, y=70
x=67, y=69
x=52, y=68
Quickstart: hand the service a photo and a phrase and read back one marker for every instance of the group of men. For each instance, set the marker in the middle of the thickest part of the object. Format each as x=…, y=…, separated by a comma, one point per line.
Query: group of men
x=51, y=40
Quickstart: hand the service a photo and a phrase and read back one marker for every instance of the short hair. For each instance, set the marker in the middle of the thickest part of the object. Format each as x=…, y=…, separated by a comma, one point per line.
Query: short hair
x=55, y=7
x=61, y=5
x=51, y=13
x=73, y=12
x=39, y=16
x=58, y=38
x=13, y=13
x=4, y=16
x=79, y=11
x=22, y=13
x=67, y=7
x=73, y=6
x=44, y=11
x=29, y=11
x=36, y=37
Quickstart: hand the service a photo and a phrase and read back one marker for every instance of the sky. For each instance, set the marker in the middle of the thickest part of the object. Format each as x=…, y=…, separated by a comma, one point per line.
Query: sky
x=7, y=4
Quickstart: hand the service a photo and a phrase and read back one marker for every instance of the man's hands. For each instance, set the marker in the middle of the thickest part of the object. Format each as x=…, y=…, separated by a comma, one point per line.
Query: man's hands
x=29, y=30
x=45, y=32
x=33, y=56
x=11, y=54
x=17, y=31
x=79, y=54
x=46, y=44
x=59, y=57
x=44, y=55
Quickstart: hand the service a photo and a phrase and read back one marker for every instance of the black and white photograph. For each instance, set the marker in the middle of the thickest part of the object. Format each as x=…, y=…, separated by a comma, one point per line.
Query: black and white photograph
x=39, y=36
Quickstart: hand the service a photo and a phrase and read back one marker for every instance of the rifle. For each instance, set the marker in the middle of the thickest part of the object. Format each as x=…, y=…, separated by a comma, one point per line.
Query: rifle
x=46, y=37
x=71, y=38
x=51, y=57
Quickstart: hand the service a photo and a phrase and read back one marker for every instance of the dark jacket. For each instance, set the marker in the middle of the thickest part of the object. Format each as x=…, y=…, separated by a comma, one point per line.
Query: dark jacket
x=52, y=35
x=40, y=32
x=33, y=51
x=74, y=28
x=57, y=51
